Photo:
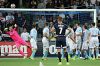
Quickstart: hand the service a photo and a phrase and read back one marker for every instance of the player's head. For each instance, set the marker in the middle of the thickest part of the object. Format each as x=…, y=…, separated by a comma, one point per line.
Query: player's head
x=92, y=24
x=10, y=26
x=85, y=27
x=71, y=26
x=24, y=30
x=34, y=25
x=77, y=24
x=46, y=24
x=59, y=19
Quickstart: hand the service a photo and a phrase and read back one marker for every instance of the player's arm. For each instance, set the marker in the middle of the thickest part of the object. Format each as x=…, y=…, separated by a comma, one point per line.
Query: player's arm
x=80, y=34
x=67, y=33
x=88, y=37
x=72, y=37
x=15, y=27
x=31, y=34
x=98, y=32
x=52, y=29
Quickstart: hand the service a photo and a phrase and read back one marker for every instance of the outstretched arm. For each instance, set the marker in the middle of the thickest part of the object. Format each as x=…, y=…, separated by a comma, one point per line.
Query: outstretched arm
x=15, y=27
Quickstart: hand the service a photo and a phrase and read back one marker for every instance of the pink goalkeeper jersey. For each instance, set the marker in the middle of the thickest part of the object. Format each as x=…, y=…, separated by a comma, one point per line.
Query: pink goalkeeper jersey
x=14, y=35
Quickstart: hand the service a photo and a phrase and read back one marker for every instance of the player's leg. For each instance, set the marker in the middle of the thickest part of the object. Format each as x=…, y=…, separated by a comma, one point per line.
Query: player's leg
x=97, y=48
x=78, y=52
x=20, y=51
x=97, y=52
x=74, y=54
x=68, y=47
x=45, y=48
x=45, y=53
x=34, y=48
x=58, y=47
x=62, y=53
x=33, y=53
x=65, y=51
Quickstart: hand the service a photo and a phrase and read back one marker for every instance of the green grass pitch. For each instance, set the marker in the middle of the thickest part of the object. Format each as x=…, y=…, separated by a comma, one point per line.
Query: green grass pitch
x=49, y=62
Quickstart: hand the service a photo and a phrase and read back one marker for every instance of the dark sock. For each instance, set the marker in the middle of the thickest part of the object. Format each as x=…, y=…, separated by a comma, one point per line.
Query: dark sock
x=59, y=56
x=95, y=54
x=66, y=55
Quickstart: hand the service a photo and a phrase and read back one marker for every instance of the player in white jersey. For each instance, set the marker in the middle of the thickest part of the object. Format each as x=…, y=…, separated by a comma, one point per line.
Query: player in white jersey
x=45, y=41
x=25, y=35
x=85, y=43
x=70, y=41
x=78, y=34
x=94, y=41
x=33, y=40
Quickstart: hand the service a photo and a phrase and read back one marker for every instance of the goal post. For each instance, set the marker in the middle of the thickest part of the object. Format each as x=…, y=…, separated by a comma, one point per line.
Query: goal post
x=60, y=10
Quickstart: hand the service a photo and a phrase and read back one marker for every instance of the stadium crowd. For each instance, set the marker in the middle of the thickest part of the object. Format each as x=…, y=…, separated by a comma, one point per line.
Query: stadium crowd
x=42, y=4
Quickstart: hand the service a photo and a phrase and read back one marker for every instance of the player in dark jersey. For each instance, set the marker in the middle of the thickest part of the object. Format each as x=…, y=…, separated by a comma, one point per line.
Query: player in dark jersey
x=60, y=29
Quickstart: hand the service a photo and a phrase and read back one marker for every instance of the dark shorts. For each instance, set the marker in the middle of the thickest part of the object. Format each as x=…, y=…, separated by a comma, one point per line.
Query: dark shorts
x=61, y=42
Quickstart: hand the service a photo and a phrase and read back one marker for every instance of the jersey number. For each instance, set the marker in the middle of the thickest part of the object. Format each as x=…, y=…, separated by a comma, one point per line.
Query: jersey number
x=60, y=30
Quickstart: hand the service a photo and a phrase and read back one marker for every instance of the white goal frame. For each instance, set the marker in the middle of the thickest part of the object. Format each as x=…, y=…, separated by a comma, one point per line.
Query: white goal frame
x=72, y=10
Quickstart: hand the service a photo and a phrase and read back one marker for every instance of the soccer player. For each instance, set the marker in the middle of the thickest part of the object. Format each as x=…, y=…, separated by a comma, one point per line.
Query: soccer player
x=85, y=44
x=33, y=40
x=60, y=29
x=94, y=41
x=78, y=34
x=70, y=39
x=45, y=41
x=12, y=32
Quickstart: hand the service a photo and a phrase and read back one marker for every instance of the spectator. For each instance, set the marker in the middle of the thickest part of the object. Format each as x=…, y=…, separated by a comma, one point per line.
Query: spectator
x=12, y=5
x=99, y=18
x=2, y=3
x=45, y=1
x=20, y=23
x=50, y=4
x=41, y=5
x=41, y=22
x=2, y=22
x=93, y=3
x=34, y=4
x=0, y=35
x=98, y=1
x=9, y=19
x=57, y=3
x=25, y=35
x=62, y=6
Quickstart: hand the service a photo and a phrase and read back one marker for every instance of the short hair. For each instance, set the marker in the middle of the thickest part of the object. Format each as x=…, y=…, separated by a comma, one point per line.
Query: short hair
x=93, y=24
x=60, y=18
x=34, y=25
x=85, y=27
x=46, y=24
x=71, y=26
x=78, y=23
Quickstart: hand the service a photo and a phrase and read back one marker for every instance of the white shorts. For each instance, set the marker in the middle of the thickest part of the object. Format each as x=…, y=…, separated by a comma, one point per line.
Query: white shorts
x=71, y=44
x=94, y=42
x=45, y=42
x=78, y=42
x=33, y=43
x=85, y=45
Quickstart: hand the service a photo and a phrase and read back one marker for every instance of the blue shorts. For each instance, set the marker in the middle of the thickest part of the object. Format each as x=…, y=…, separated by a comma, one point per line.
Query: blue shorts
x=61, y=42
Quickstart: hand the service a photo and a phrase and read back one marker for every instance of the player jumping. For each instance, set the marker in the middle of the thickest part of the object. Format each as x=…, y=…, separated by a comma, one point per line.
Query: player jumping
x=60, y=29
x=12, y=32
